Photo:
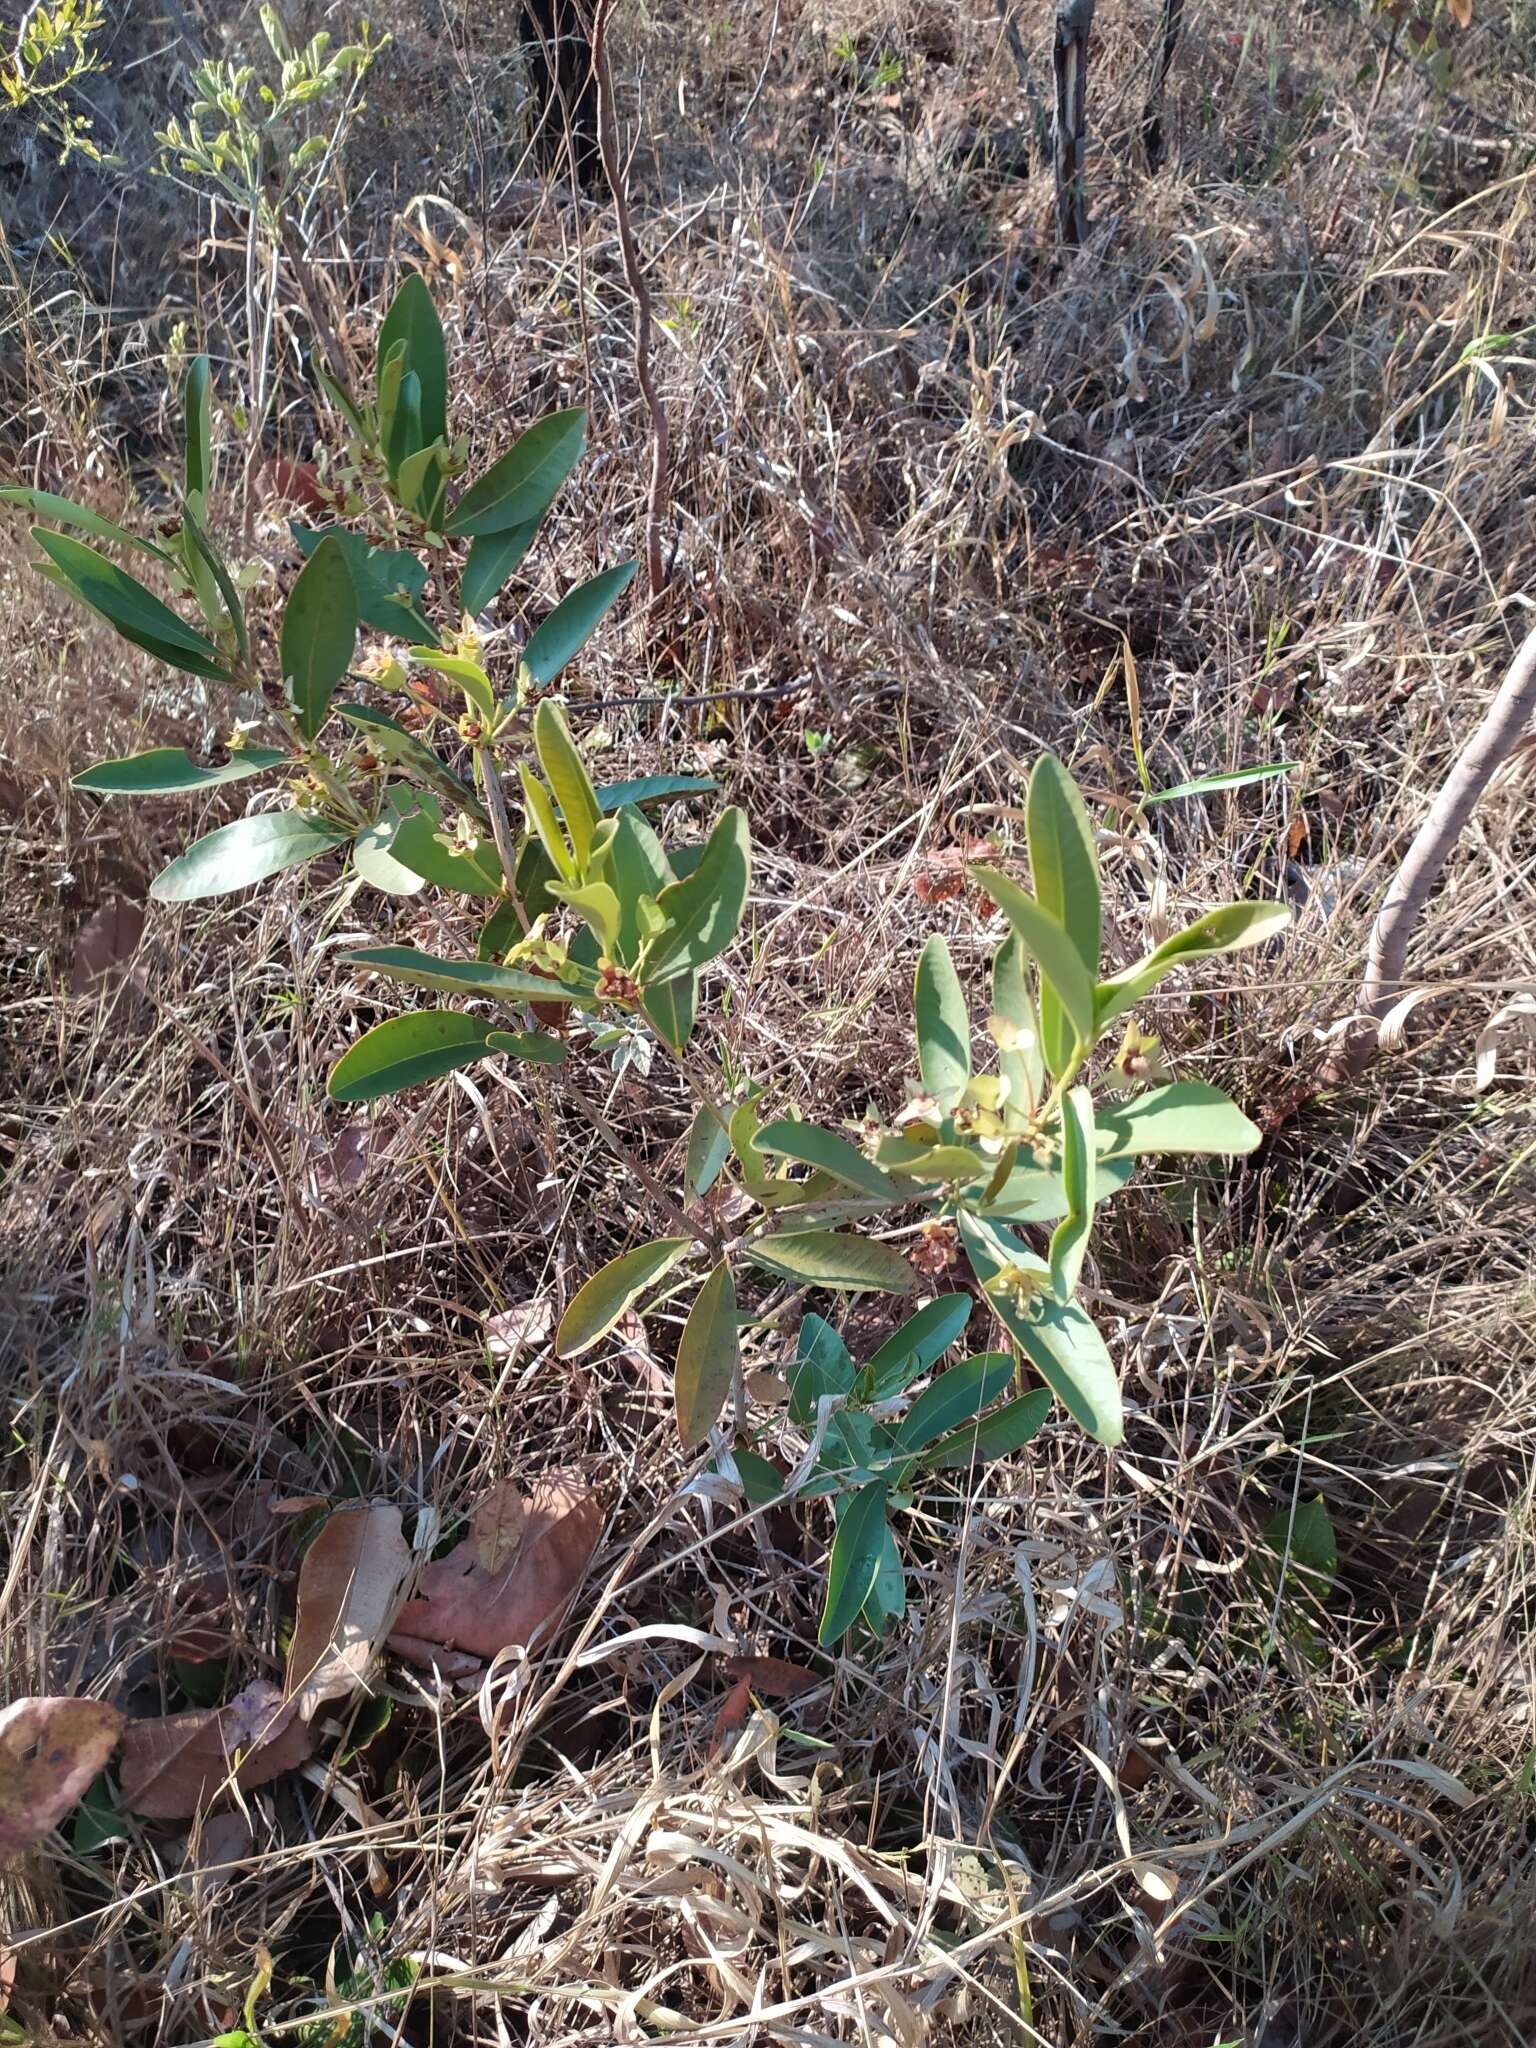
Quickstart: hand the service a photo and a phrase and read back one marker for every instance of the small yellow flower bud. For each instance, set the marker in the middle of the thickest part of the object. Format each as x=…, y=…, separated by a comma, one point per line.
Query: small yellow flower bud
x=1140, y=1059
x=1017, y=1285
x=382, y=668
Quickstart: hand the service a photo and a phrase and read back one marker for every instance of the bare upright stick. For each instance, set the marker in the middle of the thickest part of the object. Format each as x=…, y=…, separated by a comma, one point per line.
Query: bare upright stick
x=1153, y=140
x=656, y=500
x=1492, y=743
x=1074, y=20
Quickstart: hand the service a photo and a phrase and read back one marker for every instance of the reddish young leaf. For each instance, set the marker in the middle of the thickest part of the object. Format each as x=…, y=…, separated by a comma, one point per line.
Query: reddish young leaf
x=176, y=1763
x=732, y=1717
x=551, y=1015
x=511, y=1579
x=50, y=1749
x=349, y=1585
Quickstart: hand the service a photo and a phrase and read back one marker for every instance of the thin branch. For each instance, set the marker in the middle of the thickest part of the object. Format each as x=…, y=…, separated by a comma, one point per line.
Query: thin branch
x=322, y=328
x=1015, y=43
x=1153, y=140
x=1074, y=23
x=670, y=1207
x=658, y=700
x=659, y=493
x=1492, y=744
x=501, y=824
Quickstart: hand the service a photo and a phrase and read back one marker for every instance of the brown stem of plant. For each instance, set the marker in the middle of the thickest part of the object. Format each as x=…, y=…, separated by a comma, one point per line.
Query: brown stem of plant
x=1492, y=743
x=1015, y=42
x=1074, y=22
x=501, y=824
x=658, y=494
x=627, y=1159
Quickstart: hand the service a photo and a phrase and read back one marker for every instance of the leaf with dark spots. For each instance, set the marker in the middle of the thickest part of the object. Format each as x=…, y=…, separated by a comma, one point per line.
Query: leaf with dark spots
x=50, y=1750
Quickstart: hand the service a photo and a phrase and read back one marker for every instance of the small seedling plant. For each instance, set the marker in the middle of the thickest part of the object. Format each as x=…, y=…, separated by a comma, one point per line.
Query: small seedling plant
x=870, y=1444
x=596, y=934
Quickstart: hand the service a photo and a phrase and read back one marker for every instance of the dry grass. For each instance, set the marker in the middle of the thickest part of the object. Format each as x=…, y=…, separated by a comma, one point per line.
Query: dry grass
x=945, y=476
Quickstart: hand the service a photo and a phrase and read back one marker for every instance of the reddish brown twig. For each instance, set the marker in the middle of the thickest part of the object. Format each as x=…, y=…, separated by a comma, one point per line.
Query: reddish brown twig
x=1492, y=743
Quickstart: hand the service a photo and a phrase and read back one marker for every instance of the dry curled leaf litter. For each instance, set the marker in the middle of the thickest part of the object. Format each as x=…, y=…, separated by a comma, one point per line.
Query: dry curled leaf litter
x=174, y=1764
x=523, y=1327
x=513, y=1576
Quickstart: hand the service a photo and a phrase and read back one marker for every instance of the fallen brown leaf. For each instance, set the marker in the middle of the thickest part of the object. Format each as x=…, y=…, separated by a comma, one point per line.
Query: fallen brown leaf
x=349, y=1587
x=203, y=1632
x=105, y=941
x=768, y=1389
x=50, y=1749
x=539, y=1551
x=223, y=1842
x=521, y=1328
x=348, y=1158
x=176, y=1763
x=497, y=1529
x=630, y=1332
x=774, y=1676
x=298, y=1504
x=297, y=483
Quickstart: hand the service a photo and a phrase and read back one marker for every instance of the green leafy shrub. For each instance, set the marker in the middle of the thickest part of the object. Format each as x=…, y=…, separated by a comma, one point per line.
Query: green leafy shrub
x=588, y=916
x=262, y=142
x=55, y=50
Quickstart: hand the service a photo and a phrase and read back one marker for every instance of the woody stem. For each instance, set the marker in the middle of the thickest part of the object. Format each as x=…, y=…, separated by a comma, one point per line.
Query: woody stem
x=496, y=804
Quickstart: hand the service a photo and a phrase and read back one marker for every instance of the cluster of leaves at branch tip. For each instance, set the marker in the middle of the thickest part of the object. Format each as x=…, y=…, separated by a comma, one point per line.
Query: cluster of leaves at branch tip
x=593, y=924
x=264, y=139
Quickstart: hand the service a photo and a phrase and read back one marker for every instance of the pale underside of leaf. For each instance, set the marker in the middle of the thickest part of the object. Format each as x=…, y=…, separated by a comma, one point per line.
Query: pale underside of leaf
x=349, y=1585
